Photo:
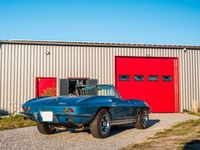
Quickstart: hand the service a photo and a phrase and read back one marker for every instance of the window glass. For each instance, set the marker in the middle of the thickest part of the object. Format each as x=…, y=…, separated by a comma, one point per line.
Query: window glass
x=153, y=78
x=166, y=78
x=139, y=77
x=124, y=77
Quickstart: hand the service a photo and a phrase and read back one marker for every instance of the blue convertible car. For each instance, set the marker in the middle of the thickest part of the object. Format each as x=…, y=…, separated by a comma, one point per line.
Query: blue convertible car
x=97, y=107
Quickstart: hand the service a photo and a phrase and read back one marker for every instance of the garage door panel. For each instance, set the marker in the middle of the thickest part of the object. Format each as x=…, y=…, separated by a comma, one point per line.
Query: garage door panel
x=150, y=79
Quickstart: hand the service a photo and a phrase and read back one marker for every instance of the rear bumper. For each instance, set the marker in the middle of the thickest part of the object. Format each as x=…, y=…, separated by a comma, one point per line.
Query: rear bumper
x=65, y=119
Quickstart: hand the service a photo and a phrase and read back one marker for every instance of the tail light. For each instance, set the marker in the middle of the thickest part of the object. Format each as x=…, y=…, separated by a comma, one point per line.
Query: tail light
x=65, y=110
x=25, y=108
x=71, y=109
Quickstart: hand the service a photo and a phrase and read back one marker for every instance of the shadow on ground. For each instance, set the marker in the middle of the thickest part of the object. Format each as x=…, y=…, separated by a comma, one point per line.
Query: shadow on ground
x=192, y=145
x=152, y=122
x=115, y=129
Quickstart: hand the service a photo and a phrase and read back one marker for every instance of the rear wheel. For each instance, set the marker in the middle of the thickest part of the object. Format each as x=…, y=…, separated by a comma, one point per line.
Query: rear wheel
x=142, y=120
x=100, y=126
x=46, y=128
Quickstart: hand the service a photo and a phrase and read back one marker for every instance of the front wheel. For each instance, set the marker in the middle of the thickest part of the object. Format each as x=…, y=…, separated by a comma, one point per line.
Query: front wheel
x=142, y=119
x=100, y=126
x=46, y=128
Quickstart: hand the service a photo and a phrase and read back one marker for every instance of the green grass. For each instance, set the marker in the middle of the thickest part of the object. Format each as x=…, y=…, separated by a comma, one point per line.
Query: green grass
x=174, y=138
x=193, y=113
x=15, y=121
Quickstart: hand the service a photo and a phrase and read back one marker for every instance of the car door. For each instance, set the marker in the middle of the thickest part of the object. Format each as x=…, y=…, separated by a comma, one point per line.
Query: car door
x=134, y=108
x=121, y=109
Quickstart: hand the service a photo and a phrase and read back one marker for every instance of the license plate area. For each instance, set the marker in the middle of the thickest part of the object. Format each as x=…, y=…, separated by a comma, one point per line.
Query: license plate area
x=47, y=116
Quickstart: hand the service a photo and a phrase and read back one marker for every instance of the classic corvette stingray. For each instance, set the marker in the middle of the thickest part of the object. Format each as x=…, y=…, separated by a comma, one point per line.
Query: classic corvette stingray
x=97, y=107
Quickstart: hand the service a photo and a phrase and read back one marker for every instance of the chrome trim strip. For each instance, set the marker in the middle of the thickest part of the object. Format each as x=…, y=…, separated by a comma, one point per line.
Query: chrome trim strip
x=75, y=115
x=125, y=121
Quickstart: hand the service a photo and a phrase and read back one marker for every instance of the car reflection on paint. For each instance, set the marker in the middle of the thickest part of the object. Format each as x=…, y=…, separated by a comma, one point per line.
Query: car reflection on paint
x=97, y=107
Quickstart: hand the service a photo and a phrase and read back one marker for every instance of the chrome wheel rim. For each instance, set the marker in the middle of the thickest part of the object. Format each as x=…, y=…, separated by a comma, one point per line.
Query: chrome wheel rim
x=105, y=124
x=145, y=119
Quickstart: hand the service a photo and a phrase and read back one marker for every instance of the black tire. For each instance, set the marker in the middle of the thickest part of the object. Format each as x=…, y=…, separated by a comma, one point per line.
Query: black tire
x=46, y=128
x=142, y=119
x=100, y=126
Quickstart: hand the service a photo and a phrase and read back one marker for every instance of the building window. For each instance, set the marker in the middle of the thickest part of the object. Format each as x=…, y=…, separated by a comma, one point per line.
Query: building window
x=124, y=77
x=139, y=77
x=153, y=77
x=166, y=78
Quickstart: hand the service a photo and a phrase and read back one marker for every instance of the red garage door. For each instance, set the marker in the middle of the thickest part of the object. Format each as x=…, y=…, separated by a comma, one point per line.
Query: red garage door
x=154, y=80
x=45, y=86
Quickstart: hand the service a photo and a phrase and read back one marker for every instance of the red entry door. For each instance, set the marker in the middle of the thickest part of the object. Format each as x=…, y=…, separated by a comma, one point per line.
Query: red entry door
x=45, y=86
x=154, y=80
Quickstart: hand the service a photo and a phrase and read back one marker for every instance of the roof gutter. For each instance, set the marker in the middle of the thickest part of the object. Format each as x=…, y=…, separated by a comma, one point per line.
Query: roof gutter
x=93, y=44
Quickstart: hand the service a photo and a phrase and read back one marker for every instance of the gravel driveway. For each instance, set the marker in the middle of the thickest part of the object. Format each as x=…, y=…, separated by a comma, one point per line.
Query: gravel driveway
x=30, y=138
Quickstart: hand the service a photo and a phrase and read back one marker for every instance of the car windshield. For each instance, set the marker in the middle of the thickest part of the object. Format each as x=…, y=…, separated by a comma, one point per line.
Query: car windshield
x=97, y=90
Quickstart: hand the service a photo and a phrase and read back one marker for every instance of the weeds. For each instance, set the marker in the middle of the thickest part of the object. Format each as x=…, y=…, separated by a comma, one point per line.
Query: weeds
x=14, y=121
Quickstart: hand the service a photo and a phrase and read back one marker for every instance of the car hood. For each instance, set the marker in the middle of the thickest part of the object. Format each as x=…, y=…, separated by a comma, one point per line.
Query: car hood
x=52, y=101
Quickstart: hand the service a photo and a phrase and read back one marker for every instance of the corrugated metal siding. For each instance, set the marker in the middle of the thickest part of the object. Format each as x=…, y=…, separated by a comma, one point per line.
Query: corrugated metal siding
x=20, y=64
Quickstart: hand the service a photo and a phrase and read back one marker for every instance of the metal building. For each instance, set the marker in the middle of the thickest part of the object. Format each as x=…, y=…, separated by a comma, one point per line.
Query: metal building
x=167, y=76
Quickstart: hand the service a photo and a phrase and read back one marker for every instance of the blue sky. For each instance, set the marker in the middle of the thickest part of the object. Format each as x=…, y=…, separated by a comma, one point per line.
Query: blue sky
x=124, y=21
